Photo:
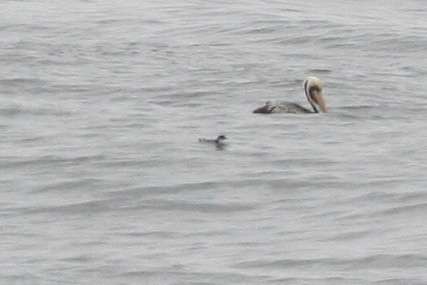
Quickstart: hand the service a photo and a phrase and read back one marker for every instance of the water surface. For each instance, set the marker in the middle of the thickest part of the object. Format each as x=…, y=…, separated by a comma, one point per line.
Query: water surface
x=104, y=180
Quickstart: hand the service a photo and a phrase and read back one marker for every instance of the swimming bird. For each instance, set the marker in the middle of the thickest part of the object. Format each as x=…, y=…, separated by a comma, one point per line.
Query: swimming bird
x=313, y=92
x=218, y=141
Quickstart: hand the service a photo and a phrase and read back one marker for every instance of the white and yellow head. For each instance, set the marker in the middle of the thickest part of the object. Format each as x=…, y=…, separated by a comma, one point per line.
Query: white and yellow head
x=313, y=92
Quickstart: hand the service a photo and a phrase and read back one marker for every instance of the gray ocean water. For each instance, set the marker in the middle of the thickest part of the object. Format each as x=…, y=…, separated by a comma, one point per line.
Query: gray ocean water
x=103, y=180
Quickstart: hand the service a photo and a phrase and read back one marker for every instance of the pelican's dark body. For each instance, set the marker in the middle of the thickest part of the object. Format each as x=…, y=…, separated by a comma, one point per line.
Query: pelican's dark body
x=313, y=92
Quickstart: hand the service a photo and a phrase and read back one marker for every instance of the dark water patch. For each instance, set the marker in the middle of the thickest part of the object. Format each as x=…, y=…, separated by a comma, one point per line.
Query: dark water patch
x=359, y=108
x=48, y=160
x=297, y=184
x=18, y=110
x=320, y=71
x=372, y=196
x=11, y=111
x=17, y=234
x=384, y=197
x=413, y=197
x=167, y=275
x=259, y=30
x=318, y=281
x=399, y=281
x=21, y=82
x=81, y=183
x=410, y=210
x=75, y=88
x=148, y=234
x=78, y=259
x=381, y=261
x=83, y=208
x=350, y=236
x=196, y=207
x=32, y=27
x=284, y=263
x=26, y=278
x=189, y=187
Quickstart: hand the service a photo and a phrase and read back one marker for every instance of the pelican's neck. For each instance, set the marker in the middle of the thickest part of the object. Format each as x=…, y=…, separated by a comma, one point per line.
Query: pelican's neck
x=307, y=94
x=314, y=107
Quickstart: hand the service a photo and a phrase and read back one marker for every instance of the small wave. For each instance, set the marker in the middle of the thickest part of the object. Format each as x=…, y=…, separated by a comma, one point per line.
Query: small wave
x=379, y=261
x=16, y=110
x=18, y=82
x=320, y=71
x=169, y=205
x=72, y=208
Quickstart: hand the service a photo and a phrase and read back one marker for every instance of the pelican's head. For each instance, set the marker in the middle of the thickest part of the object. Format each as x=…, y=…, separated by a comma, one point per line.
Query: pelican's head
x=313, y=92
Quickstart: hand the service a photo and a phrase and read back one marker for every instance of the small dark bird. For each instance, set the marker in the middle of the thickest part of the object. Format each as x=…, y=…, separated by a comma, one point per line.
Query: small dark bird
x=218, y=141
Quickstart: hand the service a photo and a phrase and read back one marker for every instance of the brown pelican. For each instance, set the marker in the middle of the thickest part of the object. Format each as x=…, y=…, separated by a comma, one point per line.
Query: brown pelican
x=313, y=92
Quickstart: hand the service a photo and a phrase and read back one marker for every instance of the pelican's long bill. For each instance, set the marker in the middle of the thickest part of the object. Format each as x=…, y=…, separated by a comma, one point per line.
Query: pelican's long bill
x=317, y=97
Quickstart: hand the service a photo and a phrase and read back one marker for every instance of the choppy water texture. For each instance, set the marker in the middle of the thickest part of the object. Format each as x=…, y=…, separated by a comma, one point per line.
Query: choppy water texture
x=103, y=180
